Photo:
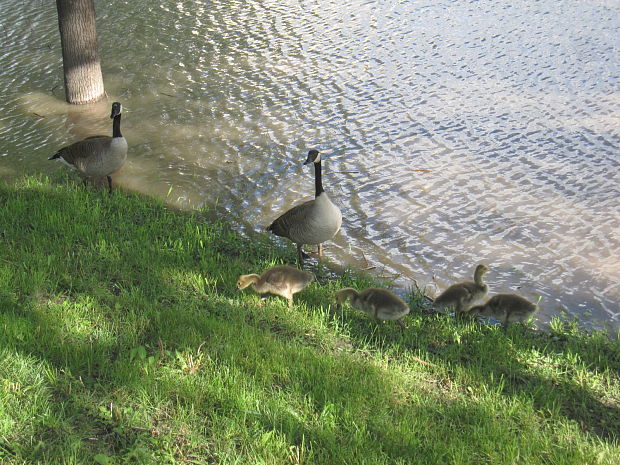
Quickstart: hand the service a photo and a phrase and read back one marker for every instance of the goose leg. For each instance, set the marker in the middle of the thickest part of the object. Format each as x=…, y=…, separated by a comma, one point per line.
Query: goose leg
x=376, y=315
x=320, y=251
x=459, y=311
x=109, y=183
x=300, y=255
x=400, y=323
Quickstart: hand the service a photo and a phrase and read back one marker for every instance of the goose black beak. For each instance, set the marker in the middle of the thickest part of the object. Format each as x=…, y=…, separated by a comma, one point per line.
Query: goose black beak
x=312, y=156
x=116, y=109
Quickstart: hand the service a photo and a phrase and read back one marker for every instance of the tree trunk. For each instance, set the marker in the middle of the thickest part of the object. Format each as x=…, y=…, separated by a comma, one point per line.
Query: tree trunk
x=78, y=37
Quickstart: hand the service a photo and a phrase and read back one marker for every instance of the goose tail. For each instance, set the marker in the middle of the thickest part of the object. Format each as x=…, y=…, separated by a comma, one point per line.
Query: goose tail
x=278, y=228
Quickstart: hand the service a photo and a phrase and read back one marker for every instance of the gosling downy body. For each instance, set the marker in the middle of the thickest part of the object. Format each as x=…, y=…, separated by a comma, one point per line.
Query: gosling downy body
x=97, y=156
x=312, y=222
x=380, y=303
x=506, y=308
x=282, y=280
x=461, y=296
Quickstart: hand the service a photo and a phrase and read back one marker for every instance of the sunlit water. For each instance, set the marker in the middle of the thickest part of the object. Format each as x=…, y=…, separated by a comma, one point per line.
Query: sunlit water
x=454, y=132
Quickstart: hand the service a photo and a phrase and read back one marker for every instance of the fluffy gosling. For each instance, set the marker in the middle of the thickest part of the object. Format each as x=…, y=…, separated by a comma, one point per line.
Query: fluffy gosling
x=380, y=303
x=461, y=296
x=506, y=308
x=282, y=280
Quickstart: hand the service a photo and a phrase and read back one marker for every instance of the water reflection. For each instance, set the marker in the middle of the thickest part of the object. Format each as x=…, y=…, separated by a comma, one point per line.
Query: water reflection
x=454, y=132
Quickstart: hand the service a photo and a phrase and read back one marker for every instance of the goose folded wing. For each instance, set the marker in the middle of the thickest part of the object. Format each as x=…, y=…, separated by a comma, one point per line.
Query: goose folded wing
x=282, y=225
x=84, y=148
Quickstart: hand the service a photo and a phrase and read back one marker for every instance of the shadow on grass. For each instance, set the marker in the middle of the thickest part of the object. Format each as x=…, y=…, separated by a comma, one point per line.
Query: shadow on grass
x=551, y=369
x=130, y=312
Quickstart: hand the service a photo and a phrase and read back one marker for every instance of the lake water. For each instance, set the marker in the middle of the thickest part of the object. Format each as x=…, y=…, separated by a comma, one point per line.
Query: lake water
x=453, y=132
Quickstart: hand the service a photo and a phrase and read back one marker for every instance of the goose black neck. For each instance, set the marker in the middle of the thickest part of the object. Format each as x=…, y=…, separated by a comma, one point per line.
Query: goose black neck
x=116, y=126
x=318, y=184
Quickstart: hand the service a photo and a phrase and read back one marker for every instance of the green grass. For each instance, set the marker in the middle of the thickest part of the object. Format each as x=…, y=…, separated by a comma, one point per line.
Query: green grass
x=124, y=340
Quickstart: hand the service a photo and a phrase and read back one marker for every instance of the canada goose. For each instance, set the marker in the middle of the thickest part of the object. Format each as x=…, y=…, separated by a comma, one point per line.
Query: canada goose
x=98, y=156
x=312, y=222
x=282, y=280
x=507, y=308
x=461, y=296
x=380, y=303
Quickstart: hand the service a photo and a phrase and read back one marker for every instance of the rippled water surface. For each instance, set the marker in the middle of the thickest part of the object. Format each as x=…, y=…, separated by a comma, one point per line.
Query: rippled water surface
x=454, y=132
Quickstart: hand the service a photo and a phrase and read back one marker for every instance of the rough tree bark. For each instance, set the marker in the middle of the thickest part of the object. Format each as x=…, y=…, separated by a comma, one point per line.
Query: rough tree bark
x=78, y=37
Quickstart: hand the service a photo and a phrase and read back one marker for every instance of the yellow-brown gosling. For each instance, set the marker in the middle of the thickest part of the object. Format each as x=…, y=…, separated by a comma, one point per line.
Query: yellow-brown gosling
x=97, y=156
x=380, y=303
x=312, y=222
x=506, y=308
x=282, y=280
x=461, y=296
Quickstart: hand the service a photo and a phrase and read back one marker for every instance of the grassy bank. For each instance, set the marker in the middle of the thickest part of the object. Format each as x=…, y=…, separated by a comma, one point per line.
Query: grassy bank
x=124, y=340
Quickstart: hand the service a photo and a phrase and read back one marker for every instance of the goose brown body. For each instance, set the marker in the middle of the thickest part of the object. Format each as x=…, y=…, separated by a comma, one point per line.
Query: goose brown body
x=312, y=222
x=506, y=308
x=383, y=304
x=461, y=296
x=97, y=156
x=282, y=280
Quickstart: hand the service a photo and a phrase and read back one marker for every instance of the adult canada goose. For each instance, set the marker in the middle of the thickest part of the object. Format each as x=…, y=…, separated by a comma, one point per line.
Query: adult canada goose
x=461, y=296
x=380, y=303
x=98, y=156
x=282, y=280
x=312, y=222
x=506, y=308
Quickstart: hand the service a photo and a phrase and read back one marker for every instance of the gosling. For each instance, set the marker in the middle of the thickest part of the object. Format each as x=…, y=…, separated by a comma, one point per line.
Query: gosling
x=461, y=296
x=380, y=303
x=282, y=280
x=506, y=308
